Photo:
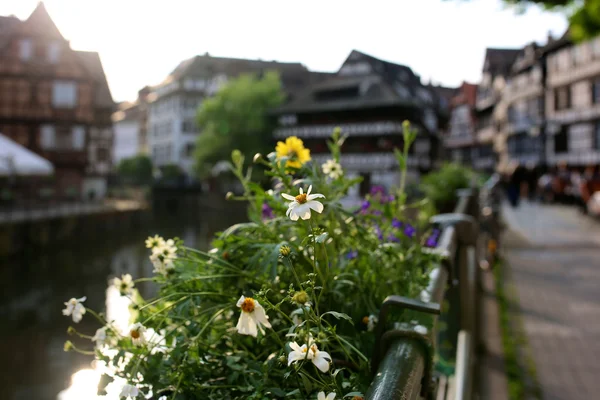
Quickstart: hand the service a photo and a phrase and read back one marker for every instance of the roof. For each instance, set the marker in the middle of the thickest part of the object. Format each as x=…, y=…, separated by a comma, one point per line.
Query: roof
x=499, y=61
x=18, y=160
x=466, y=94
x=292, y=74
x=102, y=95
x=362, y=81
x=39, y=23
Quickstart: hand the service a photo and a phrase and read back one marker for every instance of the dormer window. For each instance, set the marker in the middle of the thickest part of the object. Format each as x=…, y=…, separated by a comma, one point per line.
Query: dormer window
x=53, y=52
x=26, y=49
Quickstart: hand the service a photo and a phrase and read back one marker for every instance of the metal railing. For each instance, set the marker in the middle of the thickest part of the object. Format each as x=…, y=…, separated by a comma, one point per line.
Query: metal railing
x=403, y=360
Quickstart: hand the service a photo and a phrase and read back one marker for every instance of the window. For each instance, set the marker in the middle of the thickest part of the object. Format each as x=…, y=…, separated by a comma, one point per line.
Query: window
x=53, y=52
x=47, y=137
x=78, y=137
x=189, y=150
x=64, y=94
x=26, y=49
x=596, y=91
x=562, y=98
x=597, y=135
x=561, y=141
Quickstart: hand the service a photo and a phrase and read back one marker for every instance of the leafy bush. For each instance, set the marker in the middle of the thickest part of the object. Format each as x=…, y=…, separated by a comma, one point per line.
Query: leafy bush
x=440, y=186
x=284, y=306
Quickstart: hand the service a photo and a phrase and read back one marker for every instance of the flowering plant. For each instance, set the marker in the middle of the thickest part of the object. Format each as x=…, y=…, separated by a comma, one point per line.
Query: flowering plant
x=283, y=306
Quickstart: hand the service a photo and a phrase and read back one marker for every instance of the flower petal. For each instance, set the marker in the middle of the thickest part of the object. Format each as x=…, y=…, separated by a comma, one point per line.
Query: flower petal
x=306, y=214
x=240, y=301
x=315, y=196
x=330, y=396
x=309, y=189
x=288, y=197
x=321, y=363
x=315, y=205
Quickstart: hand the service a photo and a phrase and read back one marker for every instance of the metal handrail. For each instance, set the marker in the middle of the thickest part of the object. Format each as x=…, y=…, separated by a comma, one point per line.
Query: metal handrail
x=403, y=357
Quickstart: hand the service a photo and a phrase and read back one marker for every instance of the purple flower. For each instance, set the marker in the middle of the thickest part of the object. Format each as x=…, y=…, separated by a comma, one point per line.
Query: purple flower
x=267, y=211
x=409, y=230
x=396, y=223
x=388, y=198
x=393, y=238
x=432, y=240
x=376, y=212
x=379, y=233
x=365, y=205
x=377, y=189
x=352, y=255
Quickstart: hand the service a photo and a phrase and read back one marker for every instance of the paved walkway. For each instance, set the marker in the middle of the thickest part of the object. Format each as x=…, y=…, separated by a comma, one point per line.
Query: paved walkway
x=556, y=270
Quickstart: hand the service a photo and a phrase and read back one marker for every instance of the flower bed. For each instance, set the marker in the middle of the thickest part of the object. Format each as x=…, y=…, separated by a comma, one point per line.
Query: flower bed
x=284, y=306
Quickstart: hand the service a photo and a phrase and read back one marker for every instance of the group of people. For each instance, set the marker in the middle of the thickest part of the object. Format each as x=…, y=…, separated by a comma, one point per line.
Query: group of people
x=578, y=186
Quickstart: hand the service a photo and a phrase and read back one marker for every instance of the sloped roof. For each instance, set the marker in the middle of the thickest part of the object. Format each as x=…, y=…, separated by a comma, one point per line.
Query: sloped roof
x=382, y=84
x=102, y=95
x=40, y=23
x=499, y=61
x=293, y=74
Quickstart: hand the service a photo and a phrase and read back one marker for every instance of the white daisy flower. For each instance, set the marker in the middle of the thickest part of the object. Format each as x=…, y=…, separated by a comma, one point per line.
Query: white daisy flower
x=167, y=250
x=320, y=359
x=137, y=332
x=321, y=396
x=332, y=169
x=301, y=205
x=161, y=266
x=129, y=391
x=252, y=316
x=125, y=284
x=75, y=308
x=156, y=341
x=100, y=337
x=155, y=241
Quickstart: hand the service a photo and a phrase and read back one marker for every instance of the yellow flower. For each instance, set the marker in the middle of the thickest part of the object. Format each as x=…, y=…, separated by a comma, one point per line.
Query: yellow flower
x=294, y=149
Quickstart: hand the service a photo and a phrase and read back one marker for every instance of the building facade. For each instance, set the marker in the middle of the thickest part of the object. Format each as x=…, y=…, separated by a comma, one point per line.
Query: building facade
x=524, y=96
x=172, y=130
x=55, y=101
x=460, y=139
x=573, y=102
x=130, y=124
x=368, y=99
x=491, y=107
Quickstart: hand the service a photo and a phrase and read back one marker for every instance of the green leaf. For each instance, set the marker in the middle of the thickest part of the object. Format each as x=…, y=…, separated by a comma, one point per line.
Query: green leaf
x=338, y=315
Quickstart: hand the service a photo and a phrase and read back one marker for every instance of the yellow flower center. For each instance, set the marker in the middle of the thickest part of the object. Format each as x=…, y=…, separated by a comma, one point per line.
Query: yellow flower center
x=301, y=198
x=123, y=286
x=135, y=334
x=365, y=320
x=304, y=350
x=248, y=305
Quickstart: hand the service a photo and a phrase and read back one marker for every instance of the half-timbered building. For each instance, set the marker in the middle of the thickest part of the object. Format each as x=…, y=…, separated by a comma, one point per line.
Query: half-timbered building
x=55, y=101
x=368, y=99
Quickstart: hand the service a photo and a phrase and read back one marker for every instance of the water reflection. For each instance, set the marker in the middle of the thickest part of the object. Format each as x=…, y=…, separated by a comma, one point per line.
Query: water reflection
x=33, y=365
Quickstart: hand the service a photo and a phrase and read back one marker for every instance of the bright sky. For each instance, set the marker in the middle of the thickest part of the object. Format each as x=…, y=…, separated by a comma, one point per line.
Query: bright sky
x=141, y=41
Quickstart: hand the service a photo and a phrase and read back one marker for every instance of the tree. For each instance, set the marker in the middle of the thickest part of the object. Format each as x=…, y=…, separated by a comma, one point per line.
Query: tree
x=236, y=118
x=136, y=170
x=584, y=16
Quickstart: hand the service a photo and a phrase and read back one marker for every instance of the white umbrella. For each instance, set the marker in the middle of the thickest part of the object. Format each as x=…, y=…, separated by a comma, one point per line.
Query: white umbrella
x=18, y=160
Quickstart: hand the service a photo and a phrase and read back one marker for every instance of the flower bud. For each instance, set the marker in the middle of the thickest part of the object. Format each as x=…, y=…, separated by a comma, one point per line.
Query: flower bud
x=282, y=359
x=300, y=297
x=71, y=330
x=68, y=346
x=322, y=336
x=406, y=124
x=285, y=250
x=229, y=196
x=257, y=158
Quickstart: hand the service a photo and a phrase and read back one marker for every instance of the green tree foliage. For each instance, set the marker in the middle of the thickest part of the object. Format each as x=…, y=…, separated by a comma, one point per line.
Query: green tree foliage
x=584, y=16
x=136, y=170
x=441, y=186
x=236, y=118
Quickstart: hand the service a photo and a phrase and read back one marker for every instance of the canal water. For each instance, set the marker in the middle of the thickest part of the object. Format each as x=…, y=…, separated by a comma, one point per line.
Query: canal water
x=35, y=284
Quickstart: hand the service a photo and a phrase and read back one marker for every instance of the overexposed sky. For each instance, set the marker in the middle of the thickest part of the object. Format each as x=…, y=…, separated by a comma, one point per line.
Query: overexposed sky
x=141, y=41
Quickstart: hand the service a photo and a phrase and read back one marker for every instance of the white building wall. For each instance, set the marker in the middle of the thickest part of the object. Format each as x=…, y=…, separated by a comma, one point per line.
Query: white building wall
x=126, y=141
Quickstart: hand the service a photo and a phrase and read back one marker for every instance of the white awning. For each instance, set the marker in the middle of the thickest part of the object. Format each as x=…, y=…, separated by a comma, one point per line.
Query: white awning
x=18, y=160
